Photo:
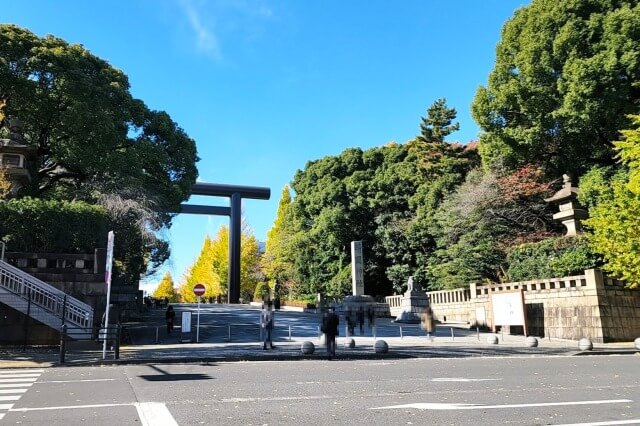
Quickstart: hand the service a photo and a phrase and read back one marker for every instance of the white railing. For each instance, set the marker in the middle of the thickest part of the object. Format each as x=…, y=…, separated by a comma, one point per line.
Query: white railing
x=69, y=309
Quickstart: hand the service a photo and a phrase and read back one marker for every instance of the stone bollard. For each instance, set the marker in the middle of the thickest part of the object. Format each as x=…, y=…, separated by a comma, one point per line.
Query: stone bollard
x=585, y=344
x=380, y=347
x=492, y=339
x=532, y=342
x=308, y=348
x=637, y=342
x=349, y=343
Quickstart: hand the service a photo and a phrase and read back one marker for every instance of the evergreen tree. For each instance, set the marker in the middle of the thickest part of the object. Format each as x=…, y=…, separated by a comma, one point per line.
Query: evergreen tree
x=165, y=289
x=437, y=125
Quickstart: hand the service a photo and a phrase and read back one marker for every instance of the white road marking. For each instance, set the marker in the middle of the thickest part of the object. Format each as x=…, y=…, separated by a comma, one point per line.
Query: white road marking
x=613, y=422
x=10, y=398
x=460, y=379
x=150, y=413
x=444, y=406
x=68, y=407
x=14, y=385
x=5, y=406
x=17, y=390
x=76, y=381
x=17, y=375
x=154, y=414
x=28, y=370
x=1, y=416
x=22, y=379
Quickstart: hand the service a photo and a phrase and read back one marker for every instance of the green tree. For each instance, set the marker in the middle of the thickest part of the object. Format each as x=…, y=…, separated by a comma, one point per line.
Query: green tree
x=166, y=289
x=277, y=259
x=614, y=221
x=5, y=185
x=95, y=141
x=437, y=124
x=566, y=75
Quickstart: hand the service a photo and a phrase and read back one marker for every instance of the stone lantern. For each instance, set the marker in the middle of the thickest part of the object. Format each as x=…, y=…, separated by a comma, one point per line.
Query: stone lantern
x=14, y=156
x=571, y=212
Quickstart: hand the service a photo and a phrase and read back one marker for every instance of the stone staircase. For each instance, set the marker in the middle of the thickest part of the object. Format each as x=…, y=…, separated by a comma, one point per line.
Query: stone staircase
x=42, y=301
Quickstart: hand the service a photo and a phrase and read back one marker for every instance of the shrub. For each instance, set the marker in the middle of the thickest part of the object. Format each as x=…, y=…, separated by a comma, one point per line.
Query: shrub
x=553, y=257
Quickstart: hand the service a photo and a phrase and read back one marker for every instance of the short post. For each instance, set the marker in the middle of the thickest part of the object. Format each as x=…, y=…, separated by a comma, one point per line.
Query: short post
x=319, y=334
x=452, y=337
x=401, y=337
x=229, y=328
x=502, y=333
x=63, y=342
x=374, y=332
x=289, y=332
x=157, y=328
x=117, y=345
x=478, y=332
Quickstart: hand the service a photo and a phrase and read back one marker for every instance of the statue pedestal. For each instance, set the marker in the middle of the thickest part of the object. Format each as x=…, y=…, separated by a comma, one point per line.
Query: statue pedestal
x=412, y=305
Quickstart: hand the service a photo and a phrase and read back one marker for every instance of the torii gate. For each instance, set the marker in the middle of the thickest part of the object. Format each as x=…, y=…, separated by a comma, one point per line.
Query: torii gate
x=235, y=193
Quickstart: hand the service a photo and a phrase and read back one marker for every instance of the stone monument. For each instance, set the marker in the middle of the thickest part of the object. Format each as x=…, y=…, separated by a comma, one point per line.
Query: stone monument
x=412, y=304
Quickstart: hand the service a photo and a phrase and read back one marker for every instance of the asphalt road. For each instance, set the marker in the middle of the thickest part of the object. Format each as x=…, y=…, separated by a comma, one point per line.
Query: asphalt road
x=594, y=390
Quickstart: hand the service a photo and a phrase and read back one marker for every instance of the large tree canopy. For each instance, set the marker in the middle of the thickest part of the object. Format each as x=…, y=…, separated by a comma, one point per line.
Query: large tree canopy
x=566, y=75
x=92, y=136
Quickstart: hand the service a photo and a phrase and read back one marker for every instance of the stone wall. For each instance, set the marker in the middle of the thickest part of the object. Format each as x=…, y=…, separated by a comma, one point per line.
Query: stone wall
x=589, y=305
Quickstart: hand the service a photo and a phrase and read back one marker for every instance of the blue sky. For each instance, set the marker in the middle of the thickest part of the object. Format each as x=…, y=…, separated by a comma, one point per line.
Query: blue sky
x=265, y=86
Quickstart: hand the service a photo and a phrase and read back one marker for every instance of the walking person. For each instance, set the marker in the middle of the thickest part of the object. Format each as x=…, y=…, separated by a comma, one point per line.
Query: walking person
x=169, y=316
x=427, y=323
x=329, y=327
x=371, y=316
x=360, y=318
x=266, y=322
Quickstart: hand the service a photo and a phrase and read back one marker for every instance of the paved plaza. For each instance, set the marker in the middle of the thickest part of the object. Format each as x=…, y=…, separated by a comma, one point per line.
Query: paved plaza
x=232, y=333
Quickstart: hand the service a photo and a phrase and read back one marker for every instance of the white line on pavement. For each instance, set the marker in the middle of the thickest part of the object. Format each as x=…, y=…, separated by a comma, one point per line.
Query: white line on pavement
x=444, y=406
x=1, y=415
x=10, y=398
x=28, y=370
x=612, y=422
x=68, y=407
x=150, y=413
x=14, y=376
x=13, y=390
x=460, y=379
x=154, y=414
x=14, y=385
x=23, y=379
x=75, y=381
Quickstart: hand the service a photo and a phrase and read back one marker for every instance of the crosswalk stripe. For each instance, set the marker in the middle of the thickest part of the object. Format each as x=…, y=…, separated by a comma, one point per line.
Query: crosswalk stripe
x=10, y=398
x=21, y=370
x=13, y=390
x=12, y=376
x=14, y=385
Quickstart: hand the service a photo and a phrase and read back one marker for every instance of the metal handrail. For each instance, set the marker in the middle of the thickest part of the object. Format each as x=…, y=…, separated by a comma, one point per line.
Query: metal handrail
x=45, y=296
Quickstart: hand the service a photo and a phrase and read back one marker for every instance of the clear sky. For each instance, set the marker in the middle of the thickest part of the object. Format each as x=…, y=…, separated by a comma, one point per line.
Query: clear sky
x=265, y=86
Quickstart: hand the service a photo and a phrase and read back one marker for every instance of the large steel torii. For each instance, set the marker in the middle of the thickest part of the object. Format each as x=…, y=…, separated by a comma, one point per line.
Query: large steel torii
x=235, y=193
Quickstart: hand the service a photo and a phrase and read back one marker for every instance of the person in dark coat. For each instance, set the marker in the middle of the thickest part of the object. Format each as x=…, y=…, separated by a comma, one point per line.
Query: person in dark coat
x=330, y=323
x=360, y=318
x=170, y=316
x=266, y=321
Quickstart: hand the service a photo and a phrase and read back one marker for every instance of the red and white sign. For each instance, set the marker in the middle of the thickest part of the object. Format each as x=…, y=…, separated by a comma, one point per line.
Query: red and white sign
x=198, y=289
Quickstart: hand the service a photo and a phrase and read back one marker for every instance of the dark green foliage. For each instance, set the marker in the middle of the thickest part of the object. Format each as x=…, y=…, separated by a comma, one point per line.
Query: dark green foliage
x=553, y=257
x=566, y=75
x=47, y=226
x=437, y=124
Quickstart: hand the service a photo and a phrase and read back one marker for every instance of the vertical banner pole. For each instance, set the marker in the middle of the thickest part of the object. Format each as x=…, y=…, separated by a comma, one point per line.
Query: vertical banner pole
x=107, y=274
x=198, y=323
